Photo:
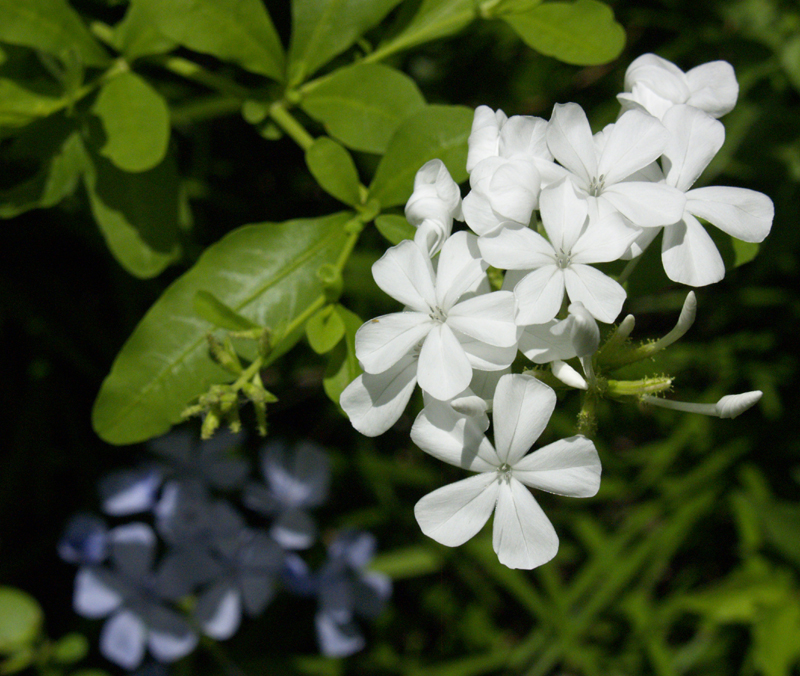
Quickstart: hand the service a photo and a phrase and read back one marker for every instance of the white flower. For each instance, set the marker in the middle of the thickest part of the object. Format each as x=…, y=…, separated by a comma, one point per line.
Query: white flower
x=602, y=167
x=576, y=336
x=688, y=253
x=656, y=85
x=523, y=535
x=453, y=335
x=730, y=406
x=563, y=262
x=433, y=205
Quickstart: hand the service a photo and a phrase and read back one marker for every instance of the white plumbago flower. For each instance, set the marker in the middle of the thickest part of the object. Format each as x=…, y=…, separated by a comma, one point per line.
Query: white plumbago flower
x=453, y=335
x=576, y=336
x=603, y=167
x=656, y=85
x=562, y=264
x=688, y=253
x=433, y=205
x=523, y=535
x=297, y=479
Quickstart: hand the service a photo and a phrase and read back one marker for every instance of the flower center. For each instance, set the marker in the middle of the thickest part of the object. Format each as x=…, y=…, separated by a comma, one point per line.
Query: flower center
x=597, y=185
x=437, y=315
x=504, y=472
x=563, y=259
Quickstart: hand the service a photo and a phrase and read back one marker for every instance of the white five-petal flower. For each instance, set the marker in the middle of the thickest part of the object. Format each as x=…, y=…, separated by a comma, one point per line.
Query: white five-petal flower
x=523, y=535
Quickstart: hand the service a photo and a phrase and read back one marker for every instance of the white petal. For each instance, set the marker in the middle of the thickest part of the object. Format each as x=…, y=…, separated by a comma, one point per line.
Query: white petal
x=122, y=640
x=479, y=215
x=219, y=611
x=452, y=438
x=658, y=74
x=485, y=135
x=563, y=215
x=568, y=375
x=514, y=188
x=569, y=138
x=741, y=213
x=600, y=295
x=524, y=134
x=714, y=87
x=523, y=536
x=443, y=369
x=95, y=595
x=133, y=548
x=695, y=138
x=516, y=248
x=522, y=408
x=293, y=530
x=689, y=254
x=583, y=330
x=604, y=240
x=485, y=357
x=169, y=636
x=384, y=341
x=539, y=344
x=488, y=318
x=459, y=269
x=453, y=514
x=636, y=140
x=539, y=295
x=567, y=467
x=405, y=273
x=374, y=402
x=646, y=205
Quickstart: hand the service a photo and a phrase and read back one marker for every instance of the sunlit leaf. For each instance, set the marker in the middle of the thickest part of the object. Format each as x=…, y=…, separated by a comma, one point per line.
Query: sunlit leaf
x=325, y=329
x=137, y=36
x=395, y=228
x=51, y=26
x=435, y=19
x=20, y=106
x=343, y=366
x=20, y=619
x=334, y=169
x=583, y=32
x=321, y=29
x=135, y=123
x=213, y=310
x=137, y=213
x=266, y=272
x=363, y=105
x=239, y=31
x=434, y=132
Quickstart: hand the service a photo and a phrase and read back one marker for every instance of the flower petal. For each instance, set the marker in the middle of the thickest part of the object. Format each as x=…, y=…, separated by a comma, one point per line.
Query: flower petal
x=539, y=295
x=523, y=536
x=522, y=407
x=569, y=138
x=374, y=402
x=600, y=295
x=406, y=274
x=516, y=248
x=453, y=514
x=459, y=270
x=294, y=530
x=219, y=611
x=604, y=240
x=384, y=341
x=95, y=593
x=563, y=215
x=488, y=318
x=689, y=254
x=567, y=467
x=636, y=140
x=484, y=138
x=695, y=138
x=133, y=548
x=485, y=357
x=122, y=640
x=714, y=87
x=336, y=636
x=443, y=369
x=646, y=205
x=169, y=637
x=741, y=213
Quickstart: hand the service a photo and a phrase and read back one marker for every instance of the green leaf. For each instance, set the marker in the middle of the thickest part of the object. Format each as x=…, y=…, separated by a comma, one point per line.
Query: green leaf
x=57, y=178
x=213, y=310
x=266, y=272
x=20, y=106
x=135, y=123
x=325, y=329
x=395, y=228
x=434, y=132
x=239, y=31
x=583, y=32
x=321, y=29
x=435, y=19
x=334, y=169
x=409, y=562
x=137, y=213
x=363, y=105
x=744, y=252
x=136, y=36
x=70, y=648
x=343, y=366
x=20, y=619
x=51, y=26
x=776, y=639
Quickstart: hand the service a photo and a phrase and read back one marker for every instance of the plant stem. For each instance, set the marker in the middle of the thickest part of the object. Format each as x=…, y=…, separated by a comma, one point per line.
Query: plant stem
x=289, y=124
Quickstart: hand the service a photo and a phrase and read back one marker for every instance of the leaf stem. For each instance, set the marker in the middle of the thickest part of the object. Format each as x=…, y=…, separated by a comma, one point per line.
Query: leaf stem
x=289, y=124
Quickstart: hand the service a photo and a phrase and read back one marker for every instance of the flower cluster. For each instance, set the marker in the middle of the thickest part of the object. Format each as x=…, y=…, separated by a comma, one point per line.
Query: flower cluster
x=548, y=201
x=193, y=547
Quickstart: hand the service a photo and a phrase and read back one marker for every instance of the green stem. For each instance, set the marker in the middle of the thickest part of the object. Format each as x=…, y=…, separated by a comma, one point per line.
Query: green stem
x=286, y=121
x=191, y=71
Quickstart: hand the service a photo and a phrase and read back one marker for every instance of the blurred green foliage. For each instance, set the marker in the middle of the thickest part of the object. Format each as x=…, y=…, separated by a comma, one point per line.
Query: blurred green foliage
x=687, y=561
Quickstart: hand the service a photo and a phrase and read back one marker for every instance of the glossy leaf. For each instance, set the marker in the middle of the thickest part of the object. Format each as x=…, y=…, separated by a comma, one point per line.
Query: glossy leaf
x=343, y=366
x=744, y=252
x=137, y=36
x=51, y=26
x=137, y=213
x=239, y=31
x=266, y=272
x=363, y=105
x=334, y=169
x=20, y=106
x=435, y=19
x=20, y=619
x=434, y=132
x=135, y=123
x=395, y=228
x=213, y=310
x=583, y=32
x=321, y=29
x=325, y=329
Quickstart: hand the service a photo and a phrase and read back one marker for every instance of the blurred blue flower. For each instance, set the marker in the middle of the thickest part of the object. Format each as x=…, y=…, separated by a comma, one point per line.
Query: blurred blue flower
x=85, y=540
x=296, y=479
